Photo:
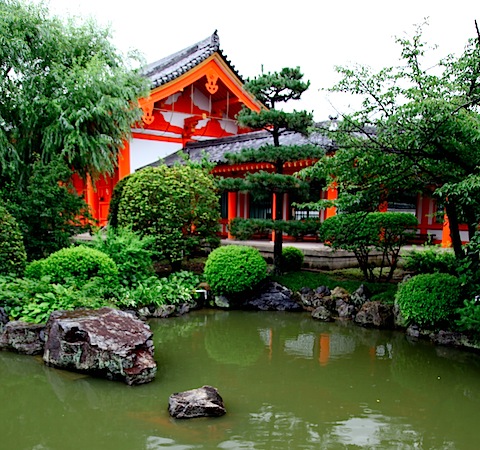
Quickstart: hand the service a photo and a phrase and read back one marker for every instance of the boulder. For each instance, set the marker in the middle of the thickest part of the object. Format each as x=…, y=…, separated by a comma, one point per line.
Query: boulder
x=344, y=309
x=322, y=313
x=360, y=296
x=375, y=314
x=273, y=297
x=3, y=318
x=23, y=337
x=200, y=402
x=104, y=342
x=312, y=299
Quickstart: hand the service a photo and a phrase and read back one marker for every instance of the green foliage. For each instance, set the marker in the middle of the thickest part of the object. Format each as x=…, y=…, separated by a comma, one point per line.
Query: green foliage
x=78, y=264
x=233, y=269
x=33, y=300
x=363, y=232
x=469, y=317
x=430, y=260
x=178, y=288
x=416, y=130
x=428, y=299
x=292, y=259
x=131, y=253
x=46, y=207
x=177, y=205
x=115, y=202
x=44, y=112
x=245, y=229
x=12, y=250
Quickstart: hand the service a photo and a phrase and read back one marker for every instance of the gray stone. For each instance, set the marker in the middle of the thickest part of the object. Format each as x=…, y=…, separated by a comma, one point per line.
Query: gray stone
x=344, y=309
x=104, y=342
x=450, y=338
x=23, y=337
x=375, y=314
x=323, y=314
x=360, y=296
x=200, y=402
x=222, y=302
x=273, y=297
x=4, y=319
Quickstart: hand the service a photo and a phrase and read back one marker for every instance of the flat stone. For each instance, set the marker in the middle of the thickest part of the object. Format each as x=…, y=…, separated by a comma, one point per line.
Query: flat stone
x=200, y=402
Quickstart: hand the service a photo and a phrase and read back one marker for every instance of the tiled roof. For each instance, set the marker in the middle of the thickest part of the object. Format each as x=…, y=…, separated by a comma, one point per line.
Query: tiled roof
x=215, y=149
x=171, y=67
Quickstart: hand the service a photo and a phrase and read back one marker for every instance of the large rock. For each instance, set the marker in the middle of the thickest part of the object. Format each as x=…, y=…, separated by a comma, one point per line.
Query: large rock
x=322, y=313
x=273, y=297
x=375, y=314
x=23, y=337
x=200, y=402
x=104, y=342
x=3, y=318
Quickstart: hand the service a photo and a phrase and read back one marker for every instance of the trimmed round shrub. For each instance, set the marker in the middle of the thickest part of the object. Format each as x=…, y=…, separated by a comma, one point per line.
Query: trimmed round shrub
x=79, y=264
x=12, y=250
x=232, y=269
x=428, y=299
x=292, y=259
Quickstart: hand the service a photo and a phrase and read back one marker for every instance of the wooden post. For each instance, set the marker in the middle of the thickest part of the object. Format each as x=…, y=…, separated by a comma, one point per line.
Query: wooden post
x=446, y=237
x=232, y=209
x=332, y=194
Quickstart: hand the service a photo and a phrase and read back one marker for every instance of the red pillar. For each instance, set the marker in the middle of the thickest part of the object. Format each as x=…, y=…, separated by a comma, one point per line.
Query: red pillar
x=124, y=161
x=332, y=194
x=232, y=209
x=446, y=238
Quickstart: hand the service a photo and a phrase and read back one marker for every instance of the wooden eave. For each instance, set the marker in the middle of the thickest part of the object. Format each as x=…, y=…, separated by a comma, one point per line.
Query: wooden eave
x=213, y=67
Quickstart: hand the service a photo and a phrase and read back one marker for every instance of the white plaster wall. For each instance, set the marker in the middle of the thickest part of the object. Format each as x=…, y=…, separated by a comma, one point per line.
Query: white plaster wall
x=143, y=152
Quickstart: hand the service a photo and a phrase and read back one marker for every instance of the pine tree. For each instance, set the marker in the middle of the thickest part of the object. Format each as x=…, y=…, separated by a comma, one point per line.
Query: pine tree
x=273, y=89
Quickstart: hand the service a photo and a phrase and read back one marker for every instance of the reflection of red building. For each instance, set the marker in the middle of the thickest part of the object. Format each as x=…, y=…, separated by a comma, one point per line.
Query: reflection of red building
x=195, y=96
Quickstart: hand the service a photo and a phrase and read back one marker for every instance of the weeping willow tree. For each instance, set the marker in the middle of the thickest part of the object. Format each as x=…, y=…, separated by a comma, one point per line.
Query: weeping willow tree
x=68, y=100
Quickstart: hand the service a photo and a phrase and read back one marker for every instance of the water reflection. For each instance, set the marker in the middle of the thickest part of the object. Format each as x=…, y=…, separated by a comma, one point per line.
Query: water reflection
x=288, y=382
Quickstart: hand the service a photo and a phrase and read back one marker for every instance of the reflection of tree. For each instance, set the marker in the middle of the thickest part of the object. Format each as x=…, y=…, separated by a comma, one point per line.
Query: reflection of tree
x=231, y=346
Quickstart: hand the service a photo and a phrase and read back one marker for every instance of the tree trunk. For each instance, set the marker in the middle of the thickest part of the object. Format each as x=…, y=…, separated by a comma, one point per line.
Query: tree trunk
x=452, y=214
x=278, y=243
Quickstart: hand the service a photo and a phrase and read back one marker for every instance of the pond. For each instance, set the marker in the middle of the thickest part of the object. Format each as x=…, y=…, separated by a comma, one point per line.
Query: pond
x=288, y=382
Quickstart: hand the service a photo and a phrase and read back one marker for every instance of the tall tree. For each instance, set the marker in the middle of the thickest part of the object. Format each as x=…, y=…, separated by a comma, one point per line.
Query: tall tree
x=274, y=89
x=417, y=129
x=66, y=97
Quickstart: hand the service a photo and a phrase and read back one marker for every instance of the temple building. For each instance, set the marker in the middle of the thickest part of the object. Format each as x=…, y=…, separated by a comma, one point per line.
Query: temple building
x=195, y=96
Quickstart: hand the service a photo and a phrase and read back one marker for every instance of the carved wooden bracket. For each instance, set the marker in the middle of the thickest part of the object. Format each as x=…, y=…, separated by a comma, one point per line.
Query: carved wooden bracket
x=211, y=83
x=147, y=107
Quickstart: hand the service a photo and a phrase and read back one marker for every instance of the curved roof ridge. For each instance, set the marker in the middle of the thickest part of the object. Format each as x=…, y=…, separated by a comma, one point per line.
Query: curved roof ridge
x=170, y=67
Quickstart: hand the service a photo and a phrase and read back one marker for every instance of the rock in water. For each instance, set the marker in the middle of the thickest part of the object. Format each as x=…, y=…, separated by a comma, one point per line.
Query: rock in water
x=103, y=342
x=200, y=402
x=22, y=337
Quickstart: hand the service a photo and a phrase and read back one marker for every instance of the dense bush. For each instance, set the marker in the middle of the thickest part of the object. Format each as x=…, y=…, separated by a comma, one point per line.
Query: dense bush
x=12, y=250
x=244, y=229
x=234, y=268
x=292, y=259
x=177, y=205
x=430, y=260
x=131, y=253
x=363, y=232
x=78, y=264
x=47, y=210
x=115, y=202
x=428, y=299
x=469, y=317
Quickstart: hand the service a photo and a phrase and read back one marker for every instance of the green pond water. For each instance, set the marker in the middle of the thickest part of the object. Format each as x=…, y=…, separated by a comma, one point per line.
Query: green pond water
x=288, y=382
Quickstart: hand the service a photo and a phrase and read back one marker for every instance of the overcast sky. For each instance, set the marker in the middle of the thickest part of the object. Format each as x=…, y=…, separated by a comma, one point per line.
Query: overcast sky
x=312, y=34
